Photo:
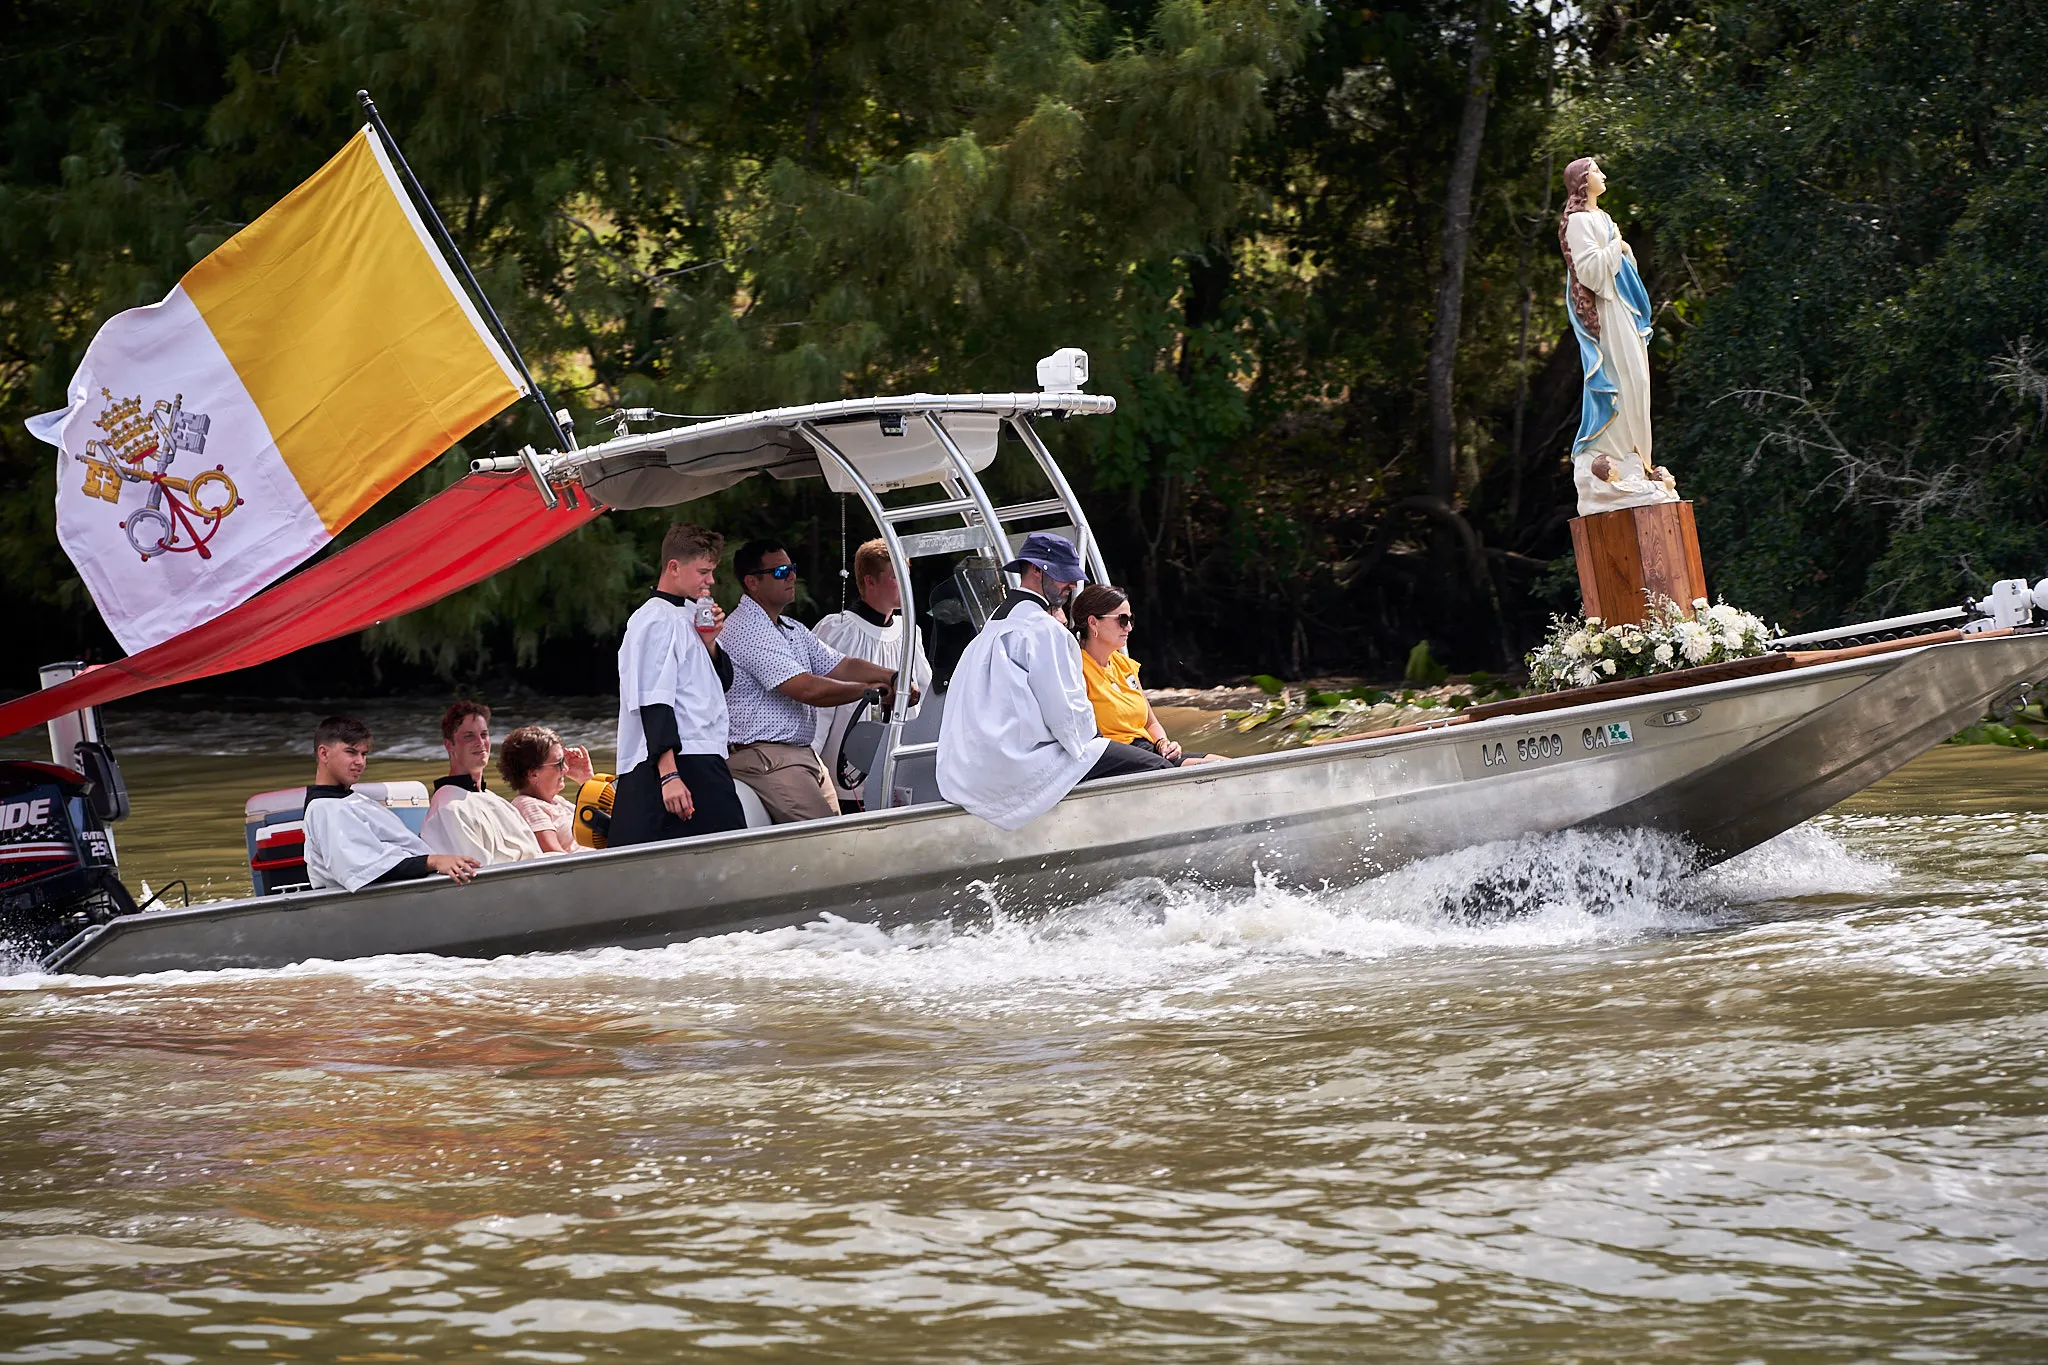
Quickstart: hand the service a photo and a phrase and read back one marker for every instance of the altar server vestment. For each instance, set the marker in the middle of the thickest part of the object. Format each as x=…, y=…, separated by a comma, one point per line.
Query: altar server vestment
x=663, y=662
x=481, y=825
x=671, y=699
x=861, y=633
x=352, y=841
x=1018, y=732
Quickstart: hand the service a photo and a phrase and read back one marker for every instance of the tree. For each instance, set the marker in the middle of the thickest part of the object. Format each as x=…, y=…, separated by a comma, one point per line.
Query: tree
x=1854, y=193
x=1457, y=243
x=685, y=206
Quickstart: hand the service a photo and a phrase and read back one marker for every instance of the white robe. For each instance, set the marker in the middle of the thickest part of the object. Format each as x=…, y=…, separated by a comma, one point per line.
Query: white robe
x=482, y=825
x=1018, y=731
x=858, y=638
x=1625, y=354
x=352, y=840
x=663, y=662
x=442, y=796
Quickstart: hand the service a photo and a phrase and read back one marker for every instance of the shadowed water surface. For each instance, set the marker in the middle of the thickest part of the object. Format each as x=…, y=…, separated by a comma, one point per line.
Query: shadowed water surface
x=1792, y=1108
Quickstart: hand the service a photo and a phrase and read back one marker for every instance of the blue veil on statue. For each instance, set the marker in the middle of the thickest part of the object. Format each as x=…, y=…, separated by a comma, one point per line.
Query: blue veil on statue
x=1601, y=396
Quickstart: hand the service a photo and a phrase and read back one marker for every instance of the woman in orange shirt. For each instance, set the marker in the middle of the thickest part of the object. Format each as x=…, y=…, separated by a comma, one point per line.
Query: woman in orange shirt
x=1102, y=620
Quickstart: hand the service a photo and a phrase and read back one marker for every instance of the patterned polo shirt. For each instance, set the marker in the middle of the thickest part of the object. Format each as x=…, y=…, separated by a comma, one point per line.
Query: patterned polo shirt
x=765, y=654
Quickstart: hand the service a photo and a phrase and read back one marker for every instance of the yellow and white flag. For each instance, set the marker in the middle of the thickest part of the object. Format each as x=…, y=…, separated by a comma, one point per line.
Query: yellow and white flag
x=296, y=375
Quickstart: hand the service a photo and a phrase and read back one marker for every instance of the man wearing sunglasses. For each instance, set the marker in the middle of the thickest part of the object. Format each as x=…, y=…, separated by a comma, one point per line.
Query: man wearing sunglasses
x=782, y=674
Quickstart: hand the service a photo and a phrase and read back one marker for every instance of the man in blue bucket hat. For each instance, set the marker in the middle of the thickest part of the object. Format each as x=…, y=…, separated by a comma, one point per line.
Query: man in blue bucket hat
x=1019, y=733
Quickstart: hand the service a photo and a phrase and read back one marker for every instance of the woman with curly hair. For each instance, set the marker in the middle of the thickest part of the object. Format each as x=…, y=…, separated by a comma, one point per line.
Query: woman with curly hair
x=536, y=767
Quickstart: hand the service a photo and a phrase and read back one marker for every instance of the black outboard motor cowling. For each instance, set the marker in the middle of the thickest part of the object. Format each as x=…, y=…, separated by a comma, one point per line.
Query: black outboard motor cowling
x=57, y=873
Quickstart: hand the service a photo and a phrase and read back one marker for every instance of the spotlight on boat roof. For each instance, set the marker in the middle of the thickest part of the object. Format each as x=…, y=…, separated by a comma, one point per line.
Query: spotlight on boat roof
x=1064, y=371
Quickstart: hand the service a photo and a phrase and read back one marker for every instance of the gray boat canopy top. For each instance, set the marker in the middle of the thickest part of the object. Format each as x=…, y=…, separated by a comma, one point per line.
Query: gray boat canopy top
x=892, y=443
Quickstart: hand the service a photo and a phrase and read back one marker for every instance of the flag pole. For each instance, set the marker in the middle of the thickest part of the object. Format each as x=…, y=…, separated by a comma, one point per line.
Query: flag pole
x=533, y=389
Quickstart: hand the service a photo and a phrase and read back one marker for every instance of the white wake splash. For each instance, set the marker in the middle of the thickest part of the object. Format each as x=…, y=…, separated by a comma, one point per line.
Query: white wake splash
x=1544, y=892
x=1806, y=860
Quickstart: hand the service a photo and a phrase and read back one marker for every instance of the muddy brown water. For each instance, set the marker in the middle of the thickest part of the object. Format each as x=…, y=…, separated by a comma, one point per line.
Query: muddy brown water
x=1787, y=1109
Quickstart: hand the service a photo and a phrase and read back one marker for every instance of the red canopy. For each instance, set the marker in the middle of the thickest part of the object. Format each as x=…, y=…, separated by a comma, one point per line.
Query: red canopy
x=461, y=536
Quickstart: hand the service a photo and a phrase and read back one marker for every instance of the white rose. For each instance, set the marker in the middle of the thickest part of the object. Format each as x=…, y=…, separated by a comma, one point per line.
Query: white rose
x=1662, y=654
x=1575, y=644
x=1607, y=667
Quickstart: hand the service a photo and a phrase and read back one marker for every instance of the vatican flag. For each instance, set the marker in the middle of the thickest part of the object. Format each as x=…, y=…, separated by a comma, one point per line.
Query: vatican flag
x=296, y=375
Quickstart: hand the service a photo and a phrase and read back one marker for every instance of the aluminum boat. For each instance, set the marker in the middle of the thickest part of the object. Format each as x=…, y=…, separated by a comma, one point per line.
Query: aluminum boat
x=1725, y=757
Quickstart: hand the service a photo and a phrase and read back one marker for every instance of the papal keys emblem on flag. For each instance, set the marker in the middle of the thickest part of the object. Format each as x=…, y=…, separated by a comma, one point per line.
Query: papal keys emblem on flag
x=298, y=373
x=179, y=512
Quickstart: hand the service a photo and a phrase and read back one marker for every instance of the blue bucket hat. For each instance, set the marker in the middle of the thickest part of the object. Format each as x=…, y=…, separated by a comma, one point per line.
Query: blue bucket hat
x=1054, y=554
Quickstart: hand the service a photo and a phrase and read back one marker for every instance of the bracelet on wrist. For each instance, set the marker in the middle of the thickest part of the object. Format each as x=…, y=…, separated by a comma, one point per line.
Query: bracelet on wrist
x=667, y=778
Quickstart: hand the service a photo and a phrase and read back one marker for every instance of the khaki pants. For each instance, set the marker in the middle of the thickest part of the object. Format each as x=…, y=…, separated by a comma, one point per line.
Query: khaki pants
x=789, y=779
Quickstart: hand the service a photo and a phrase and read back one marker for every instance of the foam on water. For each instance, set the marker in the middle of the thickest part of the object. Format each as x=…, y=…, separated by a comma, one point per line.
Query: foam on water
x=1806, y=860
x=1545, y=892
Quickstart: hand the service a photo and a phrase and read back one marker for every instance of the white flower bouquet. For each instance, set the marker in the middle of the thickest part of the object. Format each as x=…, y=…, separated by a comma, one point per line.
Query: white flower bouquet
x=1579, y=653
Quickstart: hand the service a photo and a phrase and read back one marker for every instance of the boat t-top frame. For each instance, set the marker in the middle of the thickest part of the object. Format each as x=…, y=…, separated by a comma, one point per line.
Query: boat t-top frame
x=868, y=447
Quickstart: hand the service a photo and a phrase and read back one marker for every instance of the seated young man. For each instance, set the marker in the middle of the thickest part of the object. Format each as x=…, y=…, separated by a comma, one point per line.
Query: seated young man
x=352, y=841
x=870, y=631
x=465, y=816
x=1019, y=732
x=466, y=735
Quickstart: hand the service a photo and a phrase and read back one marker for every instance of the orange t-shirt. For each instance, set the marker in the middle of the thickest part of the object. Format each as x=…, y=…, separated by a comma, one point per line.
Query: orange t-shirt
x=1120, y=706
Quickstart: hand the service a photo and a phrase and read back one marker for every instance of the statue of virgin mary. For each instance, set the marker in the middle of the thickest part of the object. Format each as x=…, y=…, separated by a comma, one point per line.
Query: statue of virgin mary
x=1611, y=460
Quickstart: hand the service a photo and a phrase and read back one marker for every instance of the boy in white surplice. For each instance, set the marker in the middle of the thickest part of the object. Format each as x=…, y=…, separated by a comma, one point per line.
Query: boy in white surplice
x=352, y=841
x=673, y=782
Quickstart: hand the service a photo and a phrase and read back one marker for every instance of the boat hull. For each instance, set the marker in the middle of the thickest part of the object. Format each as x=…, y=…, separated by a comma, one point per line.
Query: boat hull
x=1726, y=765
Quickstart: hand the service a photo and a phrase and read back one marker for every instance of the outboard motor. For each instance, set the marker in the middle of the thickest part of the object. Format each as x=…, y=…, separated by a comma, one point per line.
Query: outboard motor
x=58, y=873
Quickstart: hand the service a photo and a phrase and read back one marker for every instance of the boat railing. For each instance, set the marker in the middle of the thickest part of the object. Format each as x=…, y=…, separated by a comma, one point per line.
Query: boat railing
x=720, y=448
x=2011, y=603
x=982, y=528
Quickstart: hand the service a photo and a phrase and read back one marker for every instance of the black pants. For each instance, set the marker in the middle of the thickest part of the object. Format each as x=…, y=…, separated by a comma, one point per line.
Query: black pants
x=1118, y=759
x=638, y=817
x=1149, y=747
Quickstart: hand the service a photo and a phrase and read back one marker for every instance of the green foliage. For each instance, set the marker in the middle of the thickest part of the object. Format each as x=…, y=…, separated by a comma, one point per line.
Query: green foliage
x=2006, y=736
x=702, y=206
x=1860, y=195
x=1423, y=669
x=691, y=206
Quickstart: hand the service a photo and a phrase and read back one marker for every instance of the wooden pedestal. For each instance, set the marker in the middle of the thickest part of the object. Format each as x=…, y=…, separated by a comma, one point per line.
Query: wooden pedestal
x=1620, y=554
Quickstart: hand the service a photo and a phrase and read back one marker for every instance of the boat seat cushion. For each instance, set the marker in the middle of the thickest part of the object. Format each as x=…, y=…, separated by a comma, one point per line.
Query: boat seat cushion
x=757, y=814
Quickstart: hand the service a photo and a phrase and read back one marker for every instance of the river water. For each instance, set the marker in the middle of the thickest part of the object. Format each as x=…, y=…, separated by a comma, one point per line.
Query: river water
x=1794, y=1108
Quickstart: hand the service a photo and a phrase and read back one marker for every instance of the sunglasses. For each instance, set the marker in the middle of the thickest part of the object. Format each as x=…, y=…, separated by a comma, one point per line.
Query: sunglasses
x=1122, y=619
x=780, y=571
